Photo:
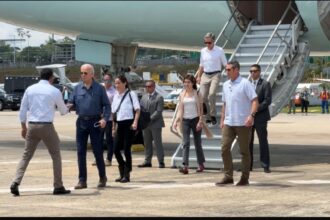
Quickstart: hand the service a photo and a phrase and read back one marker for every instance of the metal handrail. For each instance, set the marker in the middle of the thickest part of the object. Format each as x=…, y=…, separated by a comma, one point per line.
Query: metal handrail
x=226, y=25
x=280, y=44
x=275, y=30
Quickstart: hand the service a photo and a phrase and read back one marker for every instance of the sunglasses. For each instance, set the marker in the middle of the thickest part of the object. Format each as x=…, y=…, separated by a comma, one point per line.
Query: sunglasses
x=208, y=42
x=84, y=73
x=254, y=71
x=148, y=86
x=228, y=70
x=107, y=81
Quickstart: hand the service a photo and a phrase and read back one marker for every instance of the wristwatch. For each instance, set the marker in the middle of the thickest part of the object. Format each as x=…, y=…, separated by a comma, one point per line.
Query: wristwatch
x=253, y=115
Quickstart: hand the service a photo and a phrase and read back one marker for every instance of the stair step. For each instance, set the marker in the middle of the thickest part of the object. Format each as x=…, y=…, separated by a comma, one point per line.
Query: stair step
x=269, y=27
x=253, y=54
x=259, y=45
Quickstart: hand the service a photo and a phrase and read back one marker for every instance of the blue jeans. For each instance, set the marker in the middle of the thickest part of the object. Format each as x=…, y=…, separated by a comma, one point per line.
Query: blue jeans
x=325, y=106
x=86, y=128
x=109, y=139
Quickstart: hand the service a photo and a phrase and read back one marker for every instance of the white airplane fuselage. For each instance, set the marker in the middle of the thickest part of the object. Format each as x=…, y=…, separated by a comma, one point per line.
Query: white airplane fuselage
x=164, y=24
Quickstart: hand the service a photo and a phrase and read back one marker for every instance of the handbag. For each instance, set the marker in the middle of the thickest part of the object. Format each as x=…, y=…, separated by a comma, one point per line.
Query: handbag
x=144, y=118
x=114, y=115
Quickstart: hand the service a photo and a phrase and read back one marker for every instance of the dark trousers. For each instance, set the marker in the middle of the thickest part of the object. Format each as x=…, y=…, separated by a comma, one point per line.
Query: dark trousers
x=108, y=138
x=123, y=141
x=304, y=105
x=86, y=128
x=262, y=133
x=187, y=126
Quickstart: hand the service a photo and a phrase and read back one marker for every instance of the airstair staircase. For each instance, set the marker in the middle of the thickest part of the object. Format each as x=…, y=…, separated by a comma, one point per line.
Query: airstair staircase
x=277, y=49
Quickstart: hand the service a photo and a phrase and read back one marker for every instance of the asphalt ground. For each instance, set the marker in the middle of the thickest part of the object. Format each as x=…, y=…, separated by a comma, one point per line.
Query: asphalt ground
x=299, y=184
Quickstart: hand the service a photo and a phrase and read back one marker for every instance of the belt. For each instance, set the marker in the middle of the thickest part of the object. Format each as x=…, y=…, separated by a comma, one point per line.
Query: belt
x=210, y=73
x=89, y=117
x=40, y=122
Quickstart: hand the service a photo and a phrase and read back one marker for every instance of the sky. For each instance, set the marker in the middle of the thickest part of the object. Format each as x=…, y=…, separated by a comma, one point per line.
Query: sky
x=37, y=38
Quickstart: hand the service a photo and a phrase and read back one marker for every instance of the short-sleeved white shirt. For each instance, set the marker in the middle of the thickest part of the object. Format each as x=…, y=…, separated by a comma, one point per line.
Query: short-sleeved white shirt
x=126, y=109
x=238, y=96
x=212, y=60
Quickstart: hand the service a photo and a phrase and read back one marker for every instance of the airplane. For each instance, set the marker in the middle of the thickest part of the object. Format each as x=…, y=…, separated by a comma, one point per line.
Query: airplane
x=108, y=31
x=278, y=35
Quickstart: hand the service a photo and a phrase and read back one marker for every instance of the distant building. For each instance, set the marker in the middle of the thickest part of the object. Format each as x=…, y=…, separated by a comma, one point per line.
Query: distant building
x=64, y=52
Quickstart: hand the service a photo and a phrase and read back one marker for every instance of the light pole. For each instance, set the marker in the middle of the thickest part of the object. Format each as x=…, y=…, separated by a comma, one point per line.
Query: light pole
x=28, y=36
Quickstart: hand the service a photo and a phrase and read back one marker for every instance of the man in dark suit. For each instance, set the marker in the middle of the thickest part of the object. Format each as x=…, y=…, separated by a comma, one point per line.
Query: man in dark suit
x=153, y=103
x=264, y=92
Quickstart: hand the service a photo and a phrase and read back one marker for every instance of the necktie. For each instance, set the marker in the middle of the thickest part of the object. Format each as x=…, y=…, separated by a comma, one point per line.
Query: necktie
x=255, y=84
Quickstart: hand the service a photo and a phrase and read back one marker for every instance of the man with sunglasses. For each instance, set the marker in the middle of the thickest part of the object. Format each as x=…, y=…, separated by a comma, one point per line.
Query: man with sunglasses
x=93, y=109
x=212, y=61
x=153, y=103
x=264, y=92
x=107, y=80
x=240, y=104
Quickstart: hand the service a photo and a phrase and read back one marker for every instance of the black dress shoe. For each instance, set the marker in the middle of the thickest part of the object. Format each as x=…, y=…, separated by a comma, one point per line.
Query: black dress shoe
x=14, y=189
x=225, y=181
x=145, y=165
x=102, y=182
x=161, y=165
x=81, y=185
x=267, y=170
x=61, y=191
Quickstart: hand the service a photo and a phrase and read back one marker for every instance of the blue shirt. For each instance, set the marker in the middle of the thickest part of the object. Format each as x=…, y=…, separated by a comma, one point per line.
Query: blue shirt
x=92, y=101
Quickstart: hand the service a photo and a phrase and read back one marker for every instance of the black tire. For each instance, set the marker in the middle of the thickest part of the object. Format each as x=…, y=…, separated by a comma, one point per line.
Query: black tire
x=2, y=105
x=15, y=109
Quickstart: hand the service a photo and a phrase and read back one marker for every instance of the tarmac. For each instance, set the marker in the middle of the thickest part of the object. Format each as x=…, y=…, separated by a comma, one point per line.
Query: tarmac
x=298, y=186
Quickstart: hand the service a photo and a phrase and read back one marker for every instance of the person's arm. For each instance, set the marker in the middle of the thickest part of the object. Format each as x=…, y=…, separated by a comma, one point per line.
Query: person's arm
x=267, y=98
x=62, y=108
x=159, y=108
x=198, y=74
x=250, y=119
x=22, y=113
x=223, y=112
x=136, y=106
x=106, y=108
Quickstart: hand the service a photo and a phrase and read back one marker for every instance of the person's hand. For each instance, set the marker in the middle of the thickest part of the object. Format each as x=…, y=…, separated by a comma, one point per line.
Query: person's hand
x=222, y=125
x=23, y=132
x=69, y=106
x=175, y=125
x=199, y=126
x=134, y=125
x=103, y=123
x=198, y=79
x=249, y=121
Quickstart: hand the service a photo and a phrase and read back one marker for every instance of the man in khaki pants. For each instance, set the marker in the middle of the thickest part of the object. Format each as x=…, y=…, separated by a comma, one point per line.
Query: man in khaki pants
x=41, y=101
x=240, y=104
x=212, y=61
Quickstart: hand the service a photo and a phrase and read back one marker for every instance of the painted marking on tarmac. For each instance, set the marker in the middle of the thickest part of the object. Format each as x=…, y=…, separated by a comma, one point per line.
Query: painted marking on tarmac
x=37, y=161
x=308, y=182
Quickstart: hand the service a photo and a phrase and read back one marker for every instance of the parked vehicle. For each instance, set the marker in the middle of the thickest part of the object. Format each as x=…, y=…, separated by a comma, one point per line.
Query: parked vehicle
x=172, y=99
x=9, y=101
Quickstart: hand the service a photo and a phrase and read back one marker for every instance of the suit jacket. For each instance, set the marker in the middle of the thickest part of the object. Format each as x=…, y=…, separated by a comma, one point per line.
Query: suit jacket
x=155, y=107
x=264, y=92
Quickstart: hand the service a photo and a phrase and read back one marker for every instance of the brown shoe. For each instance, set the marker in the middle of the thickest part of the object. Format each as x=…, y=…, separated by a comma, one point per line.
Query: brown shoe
x=184, y=170
x=102, y=182
x=81, y=185
x=225, y=181
x=243, y=182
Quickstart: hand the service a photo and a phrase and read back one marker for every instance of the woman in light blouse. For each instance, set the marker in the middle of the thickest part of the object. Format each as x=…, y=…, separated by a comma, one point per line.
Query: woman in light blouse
x=126, y=107
x=190, y=116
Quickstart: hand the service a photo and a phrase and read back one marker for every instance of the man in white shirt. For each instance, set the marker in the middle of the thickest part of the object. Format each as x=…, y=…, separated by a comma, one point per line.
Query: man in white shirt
x=40, y=101
x=240, y=104
x=212, y=61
